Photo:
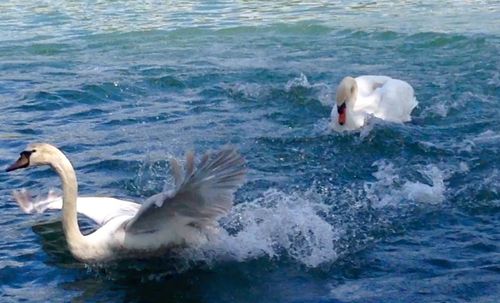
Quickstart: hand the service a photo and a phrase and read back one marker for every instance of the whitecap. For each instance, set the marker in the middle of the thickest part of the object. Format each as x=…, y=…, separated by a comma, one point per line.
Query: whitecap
x=487, y=137
x=424, y=193
x=248, y=90
x=390, y=189
x=300, y=81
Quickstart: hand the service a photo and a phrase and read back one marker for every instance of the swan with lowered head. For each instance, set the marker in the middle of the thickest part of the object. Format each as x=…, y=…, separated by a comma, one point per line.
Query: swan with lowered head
x=176, y=218
x=381, y=96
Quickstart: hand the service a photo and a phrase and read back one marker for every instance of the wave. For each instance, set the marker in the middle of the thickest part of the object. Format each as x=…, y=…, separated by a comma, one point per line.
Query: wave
x=390, y=188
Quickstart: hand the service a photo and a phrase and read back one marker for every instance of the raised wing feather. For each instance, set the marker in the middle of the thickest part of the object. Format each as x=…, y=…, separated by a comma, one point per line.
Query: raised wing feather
x=203, y=194
x=98, y=209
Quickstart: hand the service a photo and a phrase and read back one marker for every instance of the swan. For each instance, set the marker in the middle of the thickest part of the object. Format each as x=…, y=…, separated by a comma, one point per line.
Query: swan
x=179, y=217
x=381, y=96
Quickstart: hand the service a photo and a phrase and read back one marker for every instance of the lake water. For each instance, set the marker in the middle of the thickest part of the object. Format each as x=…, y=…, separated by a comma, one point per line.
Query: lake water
x=392, y=213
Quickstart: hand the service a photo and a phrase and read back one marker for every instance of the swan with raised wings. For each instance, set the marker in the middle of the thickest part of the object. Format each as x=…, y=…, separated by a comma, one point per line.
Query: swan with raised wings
x=202, y=193
x=381, y=96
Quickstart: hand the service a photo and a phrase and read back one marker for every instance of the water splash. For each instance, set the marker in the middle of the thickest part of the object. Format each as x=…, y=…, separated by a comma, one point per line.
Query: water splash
x=321, y=224
x=390, y=188
x=300, y=81
x=320, y=90
x=275, y=225
x=251, y=91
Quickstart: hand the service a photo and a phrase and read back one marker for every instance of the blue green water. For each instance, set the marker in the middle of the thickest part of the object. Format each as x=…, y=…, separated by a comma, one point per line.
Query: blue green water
x=392, y=213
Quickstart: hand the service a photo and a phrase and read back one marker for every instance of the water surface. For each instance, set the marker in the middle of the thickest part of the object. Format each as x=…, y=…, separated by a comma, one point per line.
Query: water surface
x=389, y=214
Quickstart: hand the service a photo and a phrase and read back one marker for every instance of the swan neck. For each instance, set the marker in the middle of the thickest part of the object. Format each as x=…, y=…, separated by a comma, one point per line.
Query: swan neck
x=354, y=93
x=71, y=229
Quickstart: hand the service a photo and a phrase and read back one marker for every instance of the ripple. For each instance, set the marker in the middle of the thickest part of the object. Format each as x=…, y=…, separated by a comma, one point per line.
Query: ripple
x=393, y=212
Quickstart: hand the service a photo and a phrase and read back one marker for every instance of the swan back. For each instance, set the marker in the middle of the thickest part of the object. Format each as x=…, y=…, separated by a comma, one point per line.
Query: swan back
x=397, y=101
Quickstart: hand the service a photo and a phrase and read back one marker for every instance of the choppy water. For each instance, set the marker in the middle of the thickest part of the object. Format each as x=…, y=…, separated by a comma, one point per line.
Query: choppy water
x=389, y=214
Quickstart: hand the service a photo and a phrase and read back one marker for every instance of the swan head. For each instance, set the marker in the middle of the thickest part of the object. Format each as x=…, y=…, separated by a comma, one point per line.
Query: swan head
x=35, y=154
x=346, y=92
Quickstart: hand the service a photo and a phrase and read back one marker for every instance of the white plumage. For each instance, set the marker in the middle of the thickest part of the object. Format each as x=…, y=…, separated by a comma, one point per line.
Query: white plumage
x=183, y=216
x=381, y=96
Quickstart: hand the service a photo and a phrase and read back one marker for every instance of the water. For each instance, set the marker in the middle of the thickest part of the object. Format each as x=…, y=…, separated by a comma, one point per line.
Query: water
x=389, y=214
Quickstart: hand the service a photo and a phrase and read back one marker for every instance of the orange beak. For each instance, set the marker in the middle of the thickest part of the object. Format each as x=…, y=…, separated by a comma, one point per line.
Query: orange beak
x=342, y=115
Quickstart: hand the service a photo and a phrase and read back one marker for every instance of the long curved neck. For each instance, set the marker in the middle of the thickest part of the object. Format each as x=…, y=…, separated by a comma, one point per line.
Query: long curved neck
x=72, y=232
x=353, y=95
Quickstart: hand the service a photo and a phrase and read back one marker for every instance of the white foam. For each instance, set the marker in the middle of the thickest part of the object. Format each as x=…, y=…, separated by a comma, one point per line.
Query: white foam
x=464, y=167
x=492, y=182
x=442, y=108
x=370, y=123
x=495, y=79
x=249, y=90
x=439, y=109
x=487, y=137
x=390, y=189
x=324, y=94
x=424, y=193
x=319, y=225
x=304, y=227
x=274, y=226
x=322, y=91
x=300, y=81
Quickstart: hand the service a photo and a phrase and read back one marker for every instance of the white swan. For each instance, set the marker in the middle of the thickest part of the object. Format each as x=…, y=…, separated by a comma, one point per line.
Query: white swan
x=381, y=96
x=165, y=220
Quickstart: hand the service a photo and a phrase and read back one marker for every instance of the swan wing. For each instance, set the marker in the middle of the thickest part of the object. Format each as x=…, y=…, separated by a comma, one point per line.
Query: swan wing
x=397, y=101
x=99, y=209
x=385, y=98
x=202, y=194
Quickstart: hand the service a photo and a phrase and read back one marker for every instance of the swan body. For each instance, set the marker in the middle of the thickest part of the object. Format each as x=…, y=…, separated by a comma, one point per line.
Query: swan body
x=182, y=216
x=383, y=97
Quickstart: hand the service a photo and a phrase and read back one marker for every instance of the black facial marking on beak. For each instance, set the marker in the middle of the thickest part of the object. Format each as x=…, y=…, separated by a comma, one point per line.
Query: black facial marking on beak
x=341, y=108
x=22, y=162
x=342, y=114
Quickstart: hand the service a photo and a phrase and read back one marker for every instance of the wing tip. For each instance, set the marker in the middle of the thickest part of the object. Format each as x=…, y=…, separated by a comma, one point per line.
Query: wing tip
x=224, y=168
x=228, y=163
x=24, y=200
